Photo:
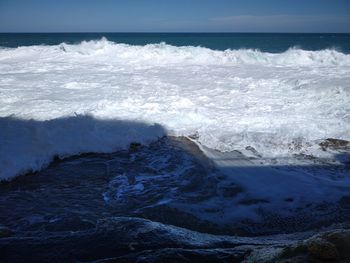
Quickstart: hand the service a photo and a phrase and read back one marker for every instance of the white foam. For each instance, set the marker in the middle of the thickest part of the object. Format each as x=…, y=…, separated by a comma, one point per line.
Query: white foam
x=280, y=104
x=29, y=145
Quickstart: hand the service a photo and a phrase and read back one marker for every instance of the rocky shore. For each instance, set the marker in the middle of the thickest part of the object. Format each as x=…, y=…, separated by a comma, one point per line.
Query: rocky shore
x=123, y=239
x=166, y=202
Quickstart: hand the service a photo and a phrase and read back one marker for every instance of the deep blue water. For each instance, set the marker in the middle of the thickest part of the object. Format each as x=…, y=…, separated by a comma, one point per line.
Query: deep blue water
x=268, y=42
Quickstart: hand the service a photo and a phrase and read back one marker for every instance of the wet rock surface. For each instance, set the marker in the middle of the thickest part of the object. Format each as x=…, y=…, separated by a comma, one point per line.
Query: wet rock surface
x=126, y=239
x=335, y=144
x=329, y=246
x=5, y=232
x=106, y=208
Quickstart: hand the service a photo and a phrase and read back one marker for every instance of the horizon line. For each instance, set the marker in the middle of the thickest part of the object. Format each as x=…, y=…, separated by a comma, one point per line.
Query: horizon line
x=164, y=32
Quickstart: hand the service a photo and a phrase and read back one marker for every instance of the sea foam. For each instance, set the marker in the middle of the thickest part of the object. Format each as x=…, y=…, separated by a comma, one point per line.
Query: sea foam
x=279, y=104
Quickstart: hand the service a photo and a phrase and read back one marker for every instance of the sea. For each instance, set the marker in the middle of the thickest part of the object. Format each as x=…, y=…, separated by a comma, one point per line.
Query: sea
x=266, y=42
x=279, y=94
x=145, y=146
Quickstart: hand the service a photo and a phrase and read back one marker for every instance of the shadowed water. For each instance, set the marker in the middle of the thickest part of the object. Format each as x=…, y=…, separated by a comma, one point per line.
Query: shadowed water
x=93, y=206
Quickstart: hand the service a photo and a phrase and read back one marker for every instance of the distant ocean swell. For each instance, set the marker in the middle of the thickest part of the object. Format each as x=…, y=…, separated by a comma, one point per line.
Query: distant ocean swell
x=99, y=96
x=163, y=53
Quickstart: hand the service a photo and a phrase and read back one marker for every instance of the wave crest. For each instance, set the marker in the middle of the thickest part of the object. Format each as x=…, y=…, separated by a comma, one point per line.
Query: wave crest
x=163, y=53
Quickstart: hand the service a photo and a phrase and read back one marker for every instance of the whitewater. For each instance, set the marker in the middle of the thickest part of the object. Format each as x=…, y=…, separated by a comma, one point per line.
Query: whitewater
x=69, y=99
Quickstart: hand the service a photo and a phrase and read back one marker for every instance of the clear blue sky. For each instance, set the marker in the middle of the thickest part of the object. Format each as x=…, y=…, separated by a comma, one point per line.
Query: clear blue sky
x=175, y=16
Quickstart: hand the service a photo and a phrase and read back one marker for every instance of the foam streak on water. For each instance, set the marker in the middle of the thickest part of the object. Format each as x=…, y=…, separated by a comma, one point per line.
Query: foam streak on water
x=280, y=104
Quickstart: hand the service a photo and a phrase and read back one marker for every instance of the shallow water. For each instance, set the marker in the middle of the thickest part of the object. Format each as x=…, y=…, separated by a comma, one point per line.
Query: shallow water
x=173, y=182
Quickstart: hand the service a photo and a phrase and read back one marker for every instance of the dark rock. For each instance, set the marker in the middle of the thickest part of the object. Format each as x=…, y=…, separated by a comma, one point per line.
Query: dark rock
x=231, y=191
x=134, y=146
x=332, y=246
x=335, y=144
x=253, y=150
x=194, y=136
x=185, y=255
x=70, y=212
x=322, y=249
x=253, y=201
x=345, y=201
x=341, y=239
x=173, y=216
x=5, y=232
x=123, y=238
x=69, y=224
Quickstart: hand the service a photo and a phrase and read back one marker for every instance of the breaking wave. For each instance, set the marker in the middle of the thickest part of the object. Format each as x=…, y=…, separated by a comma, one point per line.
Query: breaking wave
x=274, y=105
x=165, y=54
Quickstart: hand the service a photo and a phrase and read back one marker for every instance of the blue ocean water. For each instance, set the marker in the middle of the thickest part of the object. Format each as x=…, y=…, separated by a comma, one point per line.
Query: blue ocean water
x=267, y=42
